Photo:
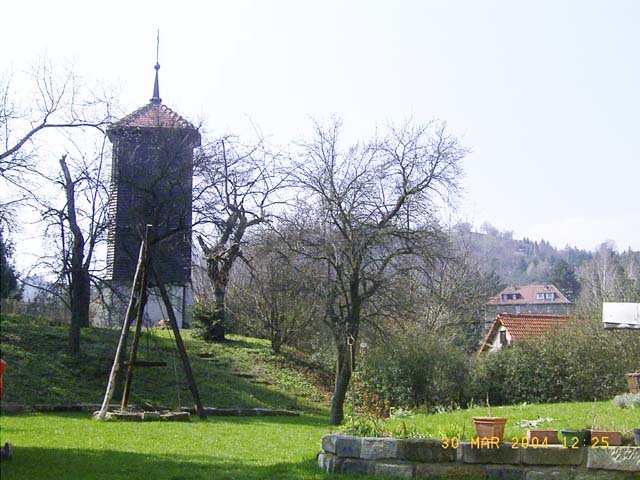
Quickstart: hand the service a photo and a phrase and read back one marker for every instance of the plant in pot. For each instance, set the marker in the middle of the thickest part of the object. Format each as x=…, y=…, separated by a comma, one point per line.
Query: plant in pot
x=536, y=434
x=542, y=436
x=602, y=436
x=490, y=428
x=575, y=437
x=605, y=437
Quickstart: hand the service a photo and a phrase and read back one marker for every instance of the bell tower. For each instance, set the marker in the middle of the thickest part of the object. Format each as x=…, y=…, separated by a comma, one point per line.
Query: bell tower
x=151, y=184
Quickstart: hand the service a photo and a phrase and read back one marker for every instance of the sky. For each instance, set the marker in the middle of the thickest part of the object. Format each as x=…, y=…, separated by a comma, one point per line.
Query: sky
x=544, y=94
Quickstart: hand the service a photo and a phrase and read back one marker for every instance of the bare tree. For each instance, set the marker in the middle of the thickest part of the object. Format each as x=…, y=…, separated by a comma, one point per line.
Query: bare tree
x=361, y=212
x=77, y=221
x=57, y=101
x=235, y=188
x=608, y=277
x=276, y=297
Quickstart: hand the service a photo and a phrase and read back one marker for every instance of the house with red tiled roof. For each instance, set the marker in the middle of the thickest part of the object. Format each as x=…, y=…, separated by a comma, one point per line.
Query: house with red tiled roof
x=509, y=328
x=537, y=299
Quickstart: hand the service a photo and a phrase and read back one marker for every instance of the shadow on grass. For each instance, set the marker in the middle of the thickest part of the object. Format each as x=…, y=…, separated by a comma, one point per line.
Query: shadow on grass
x=302, y=420
x=46, y=463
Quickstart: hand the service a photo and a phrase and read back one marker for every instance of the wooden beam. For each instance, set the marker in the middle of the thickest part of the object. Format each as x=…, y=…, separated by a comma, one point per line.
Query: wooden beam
x=139, y=320
x=145, y=363
x=191, y=382
x=122, y=342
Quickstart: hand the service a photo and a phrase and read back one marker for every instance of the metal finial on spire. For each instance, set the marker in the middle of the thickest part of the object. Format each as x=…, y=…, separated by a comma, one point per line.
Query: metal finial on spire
x=156, y=87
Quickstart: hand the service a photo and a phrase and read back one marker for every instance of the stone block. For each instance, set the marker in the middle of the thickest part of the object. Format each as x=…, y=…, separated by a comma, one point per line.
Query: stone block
x=147, y=416
x=503, y=454
x=356, y=465
x=394, y=469
x=329, y=443
x=451, y=471
x=615, y=458
x=378, y=448
x=348, y=446
x=504, y=473
x=425, y=450
x=552, y=455
x=551, y=474
x=606, y=475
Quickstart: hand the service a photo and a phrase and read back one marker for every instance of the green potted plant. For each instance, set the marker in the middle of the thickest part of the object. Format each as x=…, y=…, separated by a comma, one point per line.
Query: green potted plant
x=575, y=437
x=490, y=428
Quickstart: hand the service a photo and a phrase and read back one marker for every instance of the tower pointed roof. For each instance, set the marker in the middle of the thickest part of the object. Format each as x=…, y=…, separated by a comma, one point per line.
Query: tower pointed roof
x=154, y=114
x=156, y=88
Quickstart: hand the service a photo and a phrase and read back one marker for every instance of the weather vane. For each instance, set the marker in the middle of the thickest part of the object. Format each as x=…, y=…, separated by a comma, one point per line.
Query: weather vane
x=158, y=50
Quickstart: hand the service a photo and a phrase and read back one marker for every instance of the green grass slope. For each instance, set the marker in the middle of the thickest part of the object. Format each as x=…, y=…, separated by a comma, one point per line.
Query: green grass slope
x=240, y=373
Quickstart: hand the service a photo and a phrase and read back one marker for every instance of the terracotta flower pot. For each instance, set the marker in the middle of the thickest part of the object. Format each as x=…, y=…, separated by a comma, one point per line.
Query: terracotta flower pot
x=542, y=437
x=490, y=427
x=605, y=438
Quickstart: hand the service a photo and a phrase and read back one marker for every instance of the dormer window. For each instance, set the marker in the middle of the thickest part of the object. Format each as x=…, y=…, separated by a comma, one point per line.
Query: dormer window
x=511, y=296
x=546, y=296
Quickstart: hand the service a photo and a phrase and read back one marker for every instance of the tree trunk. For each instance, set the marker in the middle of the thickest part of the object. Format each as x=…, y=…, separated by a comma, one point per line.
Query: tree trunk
x=344, y=365
x=80, y=288
x=80, y=302
x=219, y=292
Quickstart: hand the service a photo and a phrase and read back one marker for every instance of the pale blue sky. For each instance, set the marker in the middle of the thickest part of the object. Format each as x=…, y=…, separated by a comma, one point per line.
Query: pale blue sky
x=544, y=93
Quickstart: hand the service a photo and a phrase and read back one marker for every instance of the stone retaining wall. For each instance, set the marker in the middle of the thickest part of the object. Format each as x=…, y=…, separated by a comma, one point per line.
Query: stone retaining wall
x=426, y=458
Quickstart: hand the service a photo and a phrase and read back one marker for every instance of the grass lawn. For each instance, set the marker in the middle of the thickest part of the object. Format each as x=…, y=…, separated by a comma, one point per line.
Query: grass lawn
x=76, y=447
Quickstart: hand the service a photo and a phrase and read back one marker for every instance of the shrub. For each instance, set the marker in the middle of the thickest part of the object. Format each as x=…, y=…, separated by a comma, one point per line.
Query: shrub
x=426, y=371
x=202, y=316
x=580, y=363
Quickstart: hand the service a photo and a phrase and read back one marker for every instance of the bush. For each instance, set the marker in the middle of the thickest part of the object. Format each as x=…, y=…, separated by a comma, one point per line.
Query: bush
x=202, y=316
x=410, y=372
x=580, y=363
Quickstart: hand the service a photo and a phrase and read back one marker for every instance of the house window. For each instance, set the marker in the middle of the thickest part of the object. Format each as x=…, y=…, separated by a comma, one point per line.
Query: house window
x=550, y=296
x=540, y=296
x=503, y=338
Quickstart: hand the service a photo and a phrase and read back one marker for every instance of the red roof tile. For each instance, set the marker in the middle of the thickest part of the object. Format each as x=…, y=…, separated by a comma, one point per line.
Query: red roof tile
x=153, y=115
x=528, y=294
x=522, y=326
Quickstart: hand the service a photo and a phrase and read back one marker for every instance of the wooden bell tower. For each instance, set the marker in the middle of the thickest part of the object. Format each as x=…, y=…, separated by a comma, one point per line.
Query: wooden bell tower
x=151, y=184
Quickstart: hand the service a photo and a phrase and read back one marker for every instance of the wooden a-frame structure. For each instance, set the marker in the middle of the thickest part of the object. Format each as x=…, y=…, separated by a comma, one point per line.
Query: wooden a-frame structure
x=135, y=310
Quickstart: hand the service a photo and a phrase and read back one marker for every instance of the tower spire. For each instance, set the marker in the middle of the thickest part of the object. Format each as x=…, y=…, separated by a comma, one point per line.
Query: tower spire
x=156, y=100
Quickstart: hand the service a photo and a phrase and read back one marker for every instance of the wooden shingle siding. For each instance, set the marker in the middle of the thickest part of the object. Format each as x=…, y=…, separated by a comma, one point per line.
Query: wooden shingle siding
x=151, y=184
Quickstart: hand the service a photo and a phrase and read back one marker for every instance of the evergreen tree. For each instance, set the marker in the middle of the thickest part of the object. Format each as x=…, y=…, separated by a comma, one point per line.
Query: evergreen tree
x=564, y=277
x=8, y=277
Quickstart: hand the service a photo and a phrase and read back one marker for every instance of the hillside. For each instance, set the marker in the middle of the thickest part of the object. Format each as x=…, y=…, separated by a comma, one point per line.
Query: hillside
x=240, y=373
x=516, y=261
